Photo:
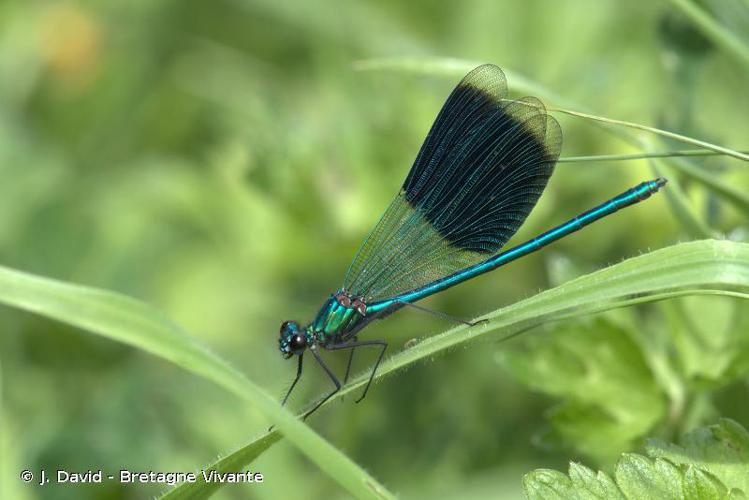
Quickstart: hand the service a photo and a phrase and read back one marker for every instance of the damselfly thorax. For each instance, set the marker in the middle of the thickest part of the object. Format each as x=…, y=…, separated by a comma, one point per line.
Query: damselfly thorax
x=339, y=316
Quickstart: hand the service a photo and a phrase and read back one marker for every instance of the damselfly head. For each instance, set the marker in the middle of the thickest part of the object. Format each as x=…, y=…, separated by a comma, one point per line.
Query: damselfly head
x=292, y=340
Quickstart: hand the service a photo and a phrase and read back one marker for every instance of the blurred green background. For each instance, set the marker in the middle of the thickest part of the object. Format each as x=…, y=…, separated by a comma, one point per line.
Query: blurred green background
x=223, y=160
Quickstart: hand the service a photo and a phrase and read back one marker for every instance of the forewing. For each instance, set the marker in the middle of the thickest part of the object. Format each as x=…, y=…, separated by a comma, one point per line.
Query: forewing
x=480, y=171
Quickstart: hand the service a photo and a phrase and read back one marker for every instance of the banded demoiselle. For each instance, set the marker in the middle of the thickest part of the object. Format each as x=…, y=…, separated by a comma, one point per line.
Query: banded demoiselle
x=479, y=173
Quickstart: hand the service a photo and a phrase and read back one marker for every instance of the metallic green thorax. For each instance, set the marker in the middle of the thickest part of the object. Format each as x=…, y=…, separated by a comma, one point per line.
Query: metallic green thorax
x=333, y=321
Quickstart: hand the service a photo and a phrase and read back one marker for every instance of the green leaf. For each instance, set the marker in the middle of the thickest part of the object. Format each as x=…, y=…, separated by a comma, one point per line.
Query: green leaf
x=585, y=365
x=457, y=67
x=643, y=478
x=678, y=202
x=736, y=494
x=232, y=463
x=711, y=463
x=700, y=484
x=689, y=220
x=636, y=477
x=134, y=323
x=713, y=30
x=548, y=485
x=593, y=485
x=657, y=131
x=443, y=66
x=679, y=154
x=733, y=194
x=721, y=449
x=701, y=267
x=711, y=338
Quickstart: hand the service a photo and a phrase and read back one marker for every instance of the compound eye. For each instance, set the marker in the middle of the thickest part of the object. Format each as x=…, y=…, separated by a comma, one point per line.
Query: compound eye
x=288, y=327
x=298, y=343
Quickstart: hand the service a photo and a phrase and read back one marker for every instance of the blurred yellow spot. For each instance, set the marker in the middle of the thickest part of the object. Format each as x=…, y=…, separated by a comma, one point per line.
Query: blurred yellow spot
x=70, y=43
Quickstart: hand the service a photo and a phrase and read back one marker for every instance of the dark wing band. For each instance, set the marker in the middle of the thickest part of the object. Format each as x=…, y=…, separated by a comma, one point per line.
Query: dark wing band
x=479, y=173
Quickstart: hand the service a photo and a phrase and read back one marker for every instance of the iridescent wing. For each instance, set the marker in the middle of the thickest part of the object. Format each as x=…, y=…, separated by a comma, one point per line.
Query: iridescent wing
x=479, y=173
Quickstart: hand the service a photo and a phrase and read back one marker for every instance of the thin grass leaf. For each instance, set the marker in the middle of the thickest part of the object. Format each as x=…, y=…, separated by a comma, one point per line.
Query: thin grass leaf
x=738, y=197
x=231, y=463
x=448, y=66
x=458, y=67
x=663, y=133
x=713, y=30
x=708, y=267
x=132, y=322
x=668, y=272
x=643, y=156
x=689, y=221
x=678, y=202
x=5, y=486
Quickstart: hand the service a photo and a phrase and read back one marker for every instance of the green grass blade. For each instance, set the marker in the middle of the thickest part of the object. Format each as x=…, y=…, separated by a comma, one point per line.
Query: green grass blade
x=428, y=66
x=695, y=227
x=663, y=133
x=707, y=267
x=457, y=67
x=678, y=202
x=643, y=156
x=692, y=225
x=132, y=322
x=720, y=35
x=738, y=197
x=446, y=66
x=712, y=264
x=231, y=463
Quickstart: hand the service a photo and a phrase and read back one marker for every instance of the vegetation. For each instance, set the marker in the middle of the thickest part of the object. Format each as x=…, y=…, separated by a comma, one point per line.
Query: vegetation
x=179, y=177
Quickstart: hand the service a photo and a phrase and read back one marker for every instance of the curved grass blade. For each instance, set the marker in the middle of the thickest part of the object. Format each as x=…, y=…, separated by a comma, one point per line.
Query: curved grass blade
x=457, y=66
x=738, y=197
x=675, y=197
x=653, y=130
x=132, y=322
x=231, y=463
x=693, y=225
x=643, y=156
x=693, y=266
x=719, y=34
x=677, y=161
x=689, y=221
x=708, y=267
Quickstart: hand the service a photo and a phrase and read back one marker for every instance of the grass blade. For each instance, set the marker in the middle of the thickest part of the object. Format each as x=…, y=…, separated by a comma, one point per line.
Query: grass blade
x=663, y=133
x=689, y=221
x=737, y=197
x=458, y=67
x=132, y=322
x=709, y=180
x=720, y=35
x=708, y=267
x=712, y=264
x=447, y=66
x=643, y=156
x=234, y=462
x=694, y=226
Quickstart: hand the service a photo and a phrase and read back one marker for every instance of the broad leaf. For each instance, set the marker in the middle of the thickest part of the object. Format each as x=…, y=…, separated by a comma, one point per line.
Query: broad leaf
x=712, y=463
x=721, y=449
x=610, y=395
